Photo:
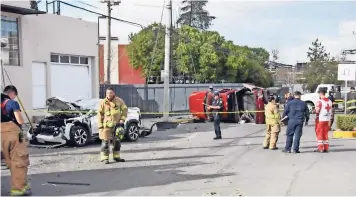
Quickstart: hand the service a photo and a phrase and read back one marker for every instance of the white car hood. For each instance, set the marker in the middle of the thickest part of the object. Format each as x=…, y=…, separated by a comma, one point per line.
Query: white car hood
x=59, y=104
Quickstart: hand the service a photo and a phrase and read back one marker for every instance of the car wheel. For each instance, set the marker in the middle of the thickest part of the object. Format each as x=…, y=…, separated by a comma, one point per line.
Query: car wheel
x=310, y=107
x=132, y=132
x=79, y=136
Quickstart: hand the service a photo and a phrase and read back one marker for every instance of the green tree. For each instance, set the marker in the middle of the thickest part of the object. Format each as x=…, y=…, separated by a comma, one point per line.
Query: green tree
x=252, y=72
x=34, y=5
x=204, y=55
x=142, y=51
x=261, y=55
x=193, y=14
x=321, y=69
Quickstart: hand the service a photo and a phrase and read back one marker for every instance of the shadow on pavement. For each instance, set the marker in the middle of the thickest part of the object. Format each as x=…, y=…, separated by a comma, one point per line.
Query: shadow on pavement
x=331, y=150
x=314, y=147
x=175, y=158
x=343, y=150
x=110, y=180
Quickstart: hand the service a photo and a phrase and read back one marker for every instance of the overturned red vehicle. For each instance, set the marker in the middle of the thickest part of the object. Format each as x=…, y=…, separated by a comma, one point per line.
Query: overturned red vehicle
x=240, y=104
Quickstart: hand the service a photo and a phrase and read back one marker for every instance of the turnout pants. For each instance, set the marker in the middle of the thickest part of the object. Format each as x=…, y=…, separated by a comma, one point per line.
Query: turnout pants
x=272, y=132
x=105, y=145
x=217, y=125
x=16, y=157
x=322, y=134
x=294, y=129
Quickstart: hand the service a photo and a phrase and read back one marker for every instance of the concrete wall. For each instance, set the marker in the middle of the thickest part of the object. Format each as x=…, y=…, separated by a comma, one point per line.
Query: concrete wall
x=45, y=34
x=149, y=98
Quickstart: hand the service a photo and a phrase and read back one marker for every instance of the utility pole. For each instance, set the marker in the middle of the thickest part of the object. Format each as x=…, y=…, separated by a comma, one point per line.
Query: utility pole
x=108, y=37
x=167, y=50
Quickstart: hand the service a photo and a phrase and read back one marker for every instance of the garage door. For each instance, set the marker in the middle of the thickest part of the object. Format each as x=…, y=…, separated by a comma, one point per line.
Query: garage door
x=39, y=95
x=70, y=82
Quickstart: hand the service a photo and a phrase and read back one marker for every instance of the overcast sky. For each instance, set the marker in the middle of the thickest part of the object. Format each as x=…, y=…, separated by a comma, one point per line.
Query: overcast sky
x=288, y=26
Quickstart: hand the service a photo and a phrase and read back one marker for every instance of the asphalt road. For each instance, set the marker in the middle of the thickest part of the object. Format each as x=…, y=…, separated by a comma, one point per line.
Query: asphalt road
x=186, y=161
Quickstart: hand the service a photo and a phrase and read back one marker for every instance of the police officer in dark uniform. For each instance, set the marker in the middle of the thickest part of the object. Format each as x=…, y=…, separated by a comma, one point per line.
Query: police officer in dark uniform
x=297, y=112
x=216, y=107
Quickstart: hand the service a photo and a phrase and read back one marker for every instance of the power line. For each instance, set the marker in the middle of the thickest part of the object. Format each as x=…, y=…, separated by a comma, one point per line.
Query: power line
x=155, y=46
x=120, y=20
x=88, y=4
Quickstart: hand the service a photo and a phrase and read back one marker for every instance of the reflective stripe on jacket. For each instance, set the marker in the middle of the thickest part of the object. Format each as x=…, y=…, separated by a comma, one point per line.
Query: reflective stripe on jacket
x=272, y=114
x=111, y=112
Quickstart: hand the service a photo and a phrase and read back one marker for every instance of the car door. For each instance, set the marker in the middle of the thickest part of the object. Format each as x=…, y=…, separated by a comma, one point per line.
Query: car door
x=94, y=125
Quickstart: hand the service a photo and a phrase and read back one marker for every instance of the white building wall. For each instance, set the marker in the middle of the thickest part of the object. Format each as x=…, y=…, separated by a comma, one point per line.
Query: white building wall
x=44, y=34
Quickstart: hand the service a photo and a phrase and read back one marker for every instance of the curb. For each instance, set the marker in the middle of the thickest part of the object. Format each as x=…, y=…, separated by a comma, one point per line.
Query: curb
x=344, y=134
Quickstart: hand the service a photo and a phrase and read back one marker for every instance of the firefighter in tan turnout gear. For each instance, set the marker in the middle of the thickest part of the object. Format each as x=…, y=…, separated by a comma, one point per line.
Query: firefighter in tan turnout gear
x=14, y=143
x=112, y=112
x=272, y=124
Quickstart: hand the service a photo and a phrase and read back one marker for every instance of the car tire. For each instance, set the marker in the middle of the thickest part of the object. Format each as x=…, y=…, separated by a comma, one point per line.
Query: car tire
x=310, y=107
x=132, y=132
x=79, y=136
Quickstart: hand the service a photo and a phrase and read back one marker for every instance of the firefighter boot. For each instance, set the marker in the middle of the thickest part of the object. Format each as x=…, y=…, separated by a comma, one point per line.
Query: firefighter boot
x=24, y=192
x=104, y=154
x=116, y=157
x=116, y=150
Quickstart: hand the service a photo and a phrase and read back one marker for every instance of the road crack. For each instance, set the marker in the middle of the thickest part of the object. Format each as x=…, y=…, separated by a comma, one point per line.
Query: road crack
x=297, y=174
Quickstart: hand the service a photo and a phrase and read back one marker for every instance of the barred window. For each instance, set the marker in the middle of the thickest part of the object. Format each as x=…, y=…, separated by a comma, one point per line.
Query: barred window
x=9, y=31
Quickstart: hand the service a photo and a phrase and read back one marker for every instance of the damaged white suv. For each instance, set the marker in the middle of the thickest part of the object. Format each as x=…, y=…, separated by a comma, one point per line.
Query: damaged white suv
x=76, y=123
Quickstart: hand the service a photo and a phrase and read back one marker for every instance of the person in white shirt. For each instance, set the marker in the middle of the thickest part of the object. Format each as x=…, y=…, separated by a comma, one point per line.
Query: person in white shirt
x=323, y=110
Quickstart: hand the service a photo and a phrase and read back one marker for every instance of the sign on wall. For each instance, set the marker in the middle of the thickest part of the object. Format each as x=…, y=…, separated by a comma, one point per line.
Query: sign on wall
x=346, y=72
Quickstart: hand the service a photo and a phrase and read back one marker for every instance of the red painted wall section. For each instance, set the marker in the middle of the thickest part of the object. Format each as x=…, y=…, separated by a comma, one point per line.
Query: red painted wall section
x=101, y=64
x=128, y=74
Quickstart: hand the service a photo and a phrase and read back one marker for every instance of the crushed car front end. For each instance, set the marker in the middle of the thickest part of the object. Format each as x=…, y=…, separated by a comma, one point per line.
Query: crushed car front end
x=53, y=128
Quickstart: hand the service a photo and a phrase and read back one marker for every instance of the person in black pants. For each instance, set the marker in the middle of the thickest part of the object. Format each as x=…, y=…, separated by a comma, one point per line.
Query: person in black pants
x=297, y=112
x=216, y=107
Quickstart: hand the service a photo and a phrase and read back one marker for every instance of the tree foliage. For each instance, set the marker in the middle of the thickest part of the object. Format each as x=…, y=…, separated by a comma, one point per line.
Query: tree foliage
x=193, y=14
x=322, y=67
x=141, y=51
x=34, y=5
x=204, y=55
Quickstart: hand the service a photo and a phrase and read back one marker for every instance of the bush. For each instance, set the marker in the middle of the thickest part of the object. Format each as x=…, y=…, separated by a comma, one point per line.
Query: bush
x=346, y=122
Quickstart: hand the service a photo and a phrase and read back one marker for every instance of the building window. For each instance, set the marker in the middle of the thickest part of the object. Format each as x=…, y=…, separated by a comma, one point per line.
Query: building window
x=69, y=59
x=64, y=59
x=9, y=31
x=55, y=58
x=74, y=59
x=83, y=60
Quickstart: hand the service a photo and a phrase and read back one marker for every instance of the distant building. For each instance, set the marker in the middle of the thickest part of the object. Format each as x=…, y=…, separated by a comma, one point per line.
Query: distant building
x=285, y=74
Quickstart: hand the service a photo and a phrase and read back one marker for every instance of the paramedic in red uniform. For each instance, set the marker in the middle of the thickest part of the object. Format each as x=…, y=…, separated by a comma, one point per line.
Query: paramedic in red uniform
x=323, y=110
